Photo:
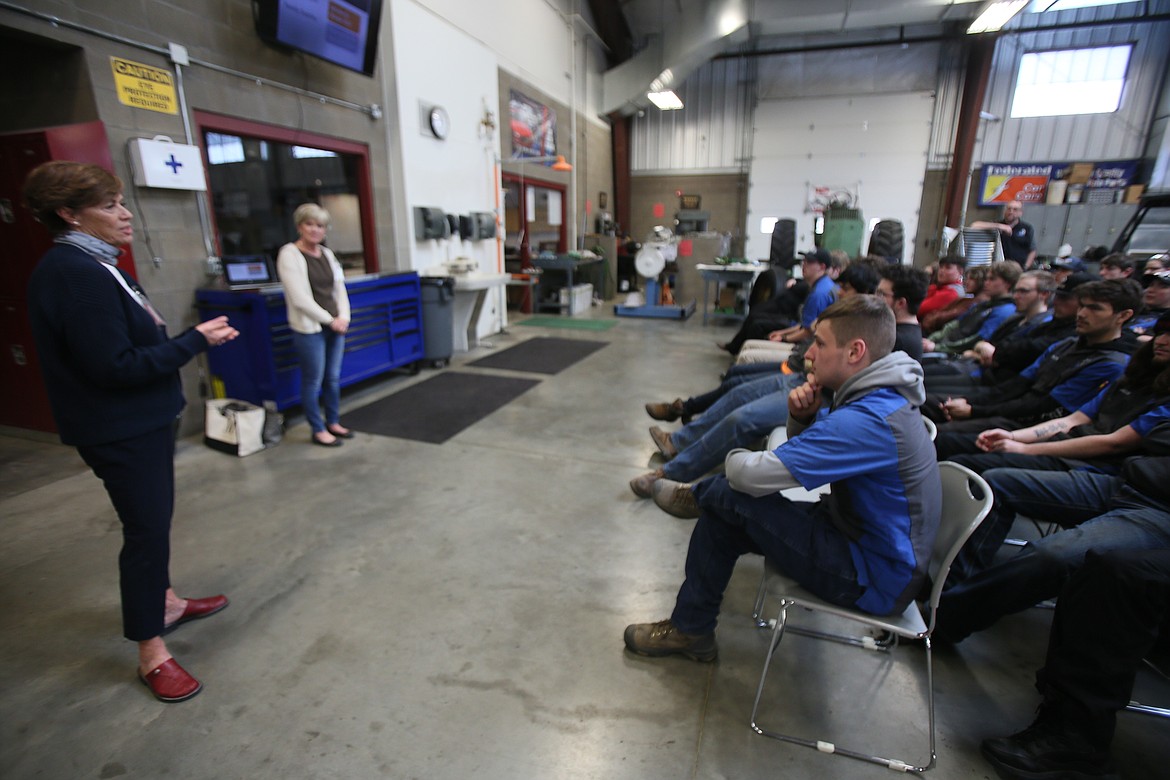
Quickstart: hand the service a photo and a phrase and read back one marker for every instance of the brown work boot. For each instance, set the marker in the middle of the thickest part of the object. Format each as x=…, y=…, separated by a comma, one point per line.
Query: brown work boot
x=667, y=412
x=675, y=498
x=662, y=638
x=662, y=441
x=643, y=486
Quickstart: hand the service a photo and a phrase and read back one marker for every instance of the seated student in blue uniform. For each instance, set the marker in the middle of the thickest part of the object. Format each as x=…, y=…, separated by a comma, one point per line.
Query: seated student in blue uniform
x=867, y=543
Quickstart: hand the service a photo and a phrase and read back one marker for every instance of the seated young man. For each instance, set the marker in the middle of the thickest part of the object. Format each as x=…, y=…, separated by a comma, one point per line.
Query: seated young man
x=857, y=279
x=1131, y=415
x=1129, y=406
x=1106, y=513
x=947, y=287
x=1094, y=651
x=741, y=417
x=818, y=269
x=1032, y=294
x=902, y=288
x=865, y=545
x=1067, y=376
x=1155, y=303
x=981, y=320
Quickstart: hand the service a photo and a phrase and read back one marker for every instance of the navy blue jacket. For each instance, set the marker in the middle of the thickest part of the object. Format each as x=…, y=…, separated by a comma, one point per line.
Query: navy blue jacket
x=110, y=371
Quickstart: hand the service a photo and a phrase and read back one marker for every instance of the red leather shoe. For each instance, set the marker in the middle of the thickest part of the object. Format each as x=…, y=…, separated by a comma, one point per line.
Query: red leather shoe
x=197, y=609
x=170, y=682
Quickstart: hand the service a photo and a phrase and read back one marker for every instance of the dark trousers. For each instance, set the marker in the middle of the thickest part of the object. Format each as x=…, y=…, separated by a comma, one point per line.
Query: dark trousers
x=1105, y=519
x=1107, y=619
x=793, y=535
x=757, y=326
x=139, y=475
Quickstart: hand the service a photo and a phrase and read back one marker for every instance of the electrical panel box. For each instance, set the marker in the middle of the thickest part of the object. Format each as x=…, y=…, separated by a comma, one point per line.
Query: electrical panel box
x=430, y=222
x=484, y=224
x=159, y=162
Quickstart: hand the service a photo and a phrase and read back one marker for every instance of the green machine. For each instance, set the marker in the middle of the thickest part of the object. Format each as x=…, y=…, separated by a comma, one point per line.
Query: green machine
x=844, y=228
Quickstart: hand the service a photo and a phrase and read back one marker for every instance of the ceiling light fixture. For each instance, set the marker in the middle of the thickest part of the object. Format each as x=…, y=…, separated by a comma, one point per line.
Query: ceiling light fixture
x=667, y=101
x=995, y=15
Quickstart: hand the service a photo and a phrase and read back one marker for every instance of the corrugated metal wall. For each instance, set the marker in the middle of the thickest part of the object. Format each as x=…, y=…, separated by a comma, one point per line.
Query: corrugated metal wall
x=1119, y=135
x=710, y=135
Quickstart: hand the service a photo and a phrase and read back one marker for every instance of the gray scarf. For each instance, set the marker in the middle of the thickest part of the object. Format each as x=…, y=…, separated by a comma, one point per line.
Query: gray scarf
x=107, y=253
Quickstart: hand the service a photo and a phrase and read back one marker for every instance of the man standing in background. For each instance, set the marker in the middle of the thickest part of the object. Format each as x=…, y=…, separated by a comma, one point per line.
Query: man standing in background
x=1018, y=237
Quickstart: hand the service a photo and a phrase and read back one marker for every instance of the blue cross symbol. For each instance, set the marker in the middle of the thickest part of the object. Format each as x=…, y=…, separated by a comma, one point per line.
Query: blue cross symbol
x=173, y=164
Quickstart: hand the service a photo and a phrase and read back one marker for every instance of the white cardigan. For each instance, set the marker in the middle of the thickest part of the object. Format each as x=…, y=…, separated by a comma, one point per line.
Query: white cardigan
x=304, y=315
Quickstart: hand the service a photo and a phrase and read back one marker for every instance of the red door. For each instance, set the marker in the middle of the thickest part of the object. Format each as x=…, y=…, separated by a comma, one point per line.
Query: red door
x=23, y=401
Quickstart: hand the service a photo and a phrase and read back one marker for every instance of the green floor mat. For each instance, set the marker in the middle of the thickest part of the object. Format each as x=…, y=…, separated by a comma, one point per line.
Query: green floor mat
x=568, y=322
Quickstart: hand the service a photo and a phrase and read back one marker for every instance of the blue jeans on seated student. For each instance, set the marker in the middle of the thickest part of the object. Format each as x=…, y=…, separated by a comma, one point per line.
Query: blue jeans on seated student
x=790, y=534
x=1122, y=520
x=735, y=376
x=319, y=355
x=742, y=418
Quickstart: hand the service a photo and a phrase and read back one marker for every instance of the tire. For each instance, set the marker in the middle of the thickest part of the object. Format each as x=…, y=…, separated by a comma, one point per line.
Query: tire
x=887, y=240
x=782, y=253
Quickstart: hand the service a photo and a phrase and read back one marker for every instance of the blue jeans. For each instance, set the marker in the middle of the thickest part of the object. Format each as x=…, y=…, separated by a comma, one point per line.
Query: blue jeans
x=741, y=418
x=792, y=535
x=320, y=357
x=735, y=376
x=1121, y=520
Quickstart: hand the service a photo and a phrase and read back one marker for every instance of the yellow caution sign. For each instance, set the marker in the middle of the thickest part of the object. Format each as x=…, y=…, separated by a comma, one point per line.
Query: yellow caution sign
x=142, y=86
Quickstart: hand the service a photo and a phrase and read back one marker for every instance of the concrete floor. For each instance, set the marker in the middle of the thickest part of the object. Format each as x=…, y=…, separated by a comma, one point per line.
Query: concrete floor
x=409, y=610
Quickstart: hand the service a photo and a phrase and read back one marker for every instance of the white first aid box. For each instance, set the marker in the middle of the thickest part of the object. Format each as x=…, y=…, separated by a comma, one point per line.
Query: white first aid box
x=159, y=162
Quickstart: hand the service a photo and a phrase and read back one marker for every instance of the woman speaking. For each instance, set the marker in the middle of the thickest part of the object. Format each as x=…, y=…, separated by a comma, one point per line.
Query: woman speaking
x=112, y=376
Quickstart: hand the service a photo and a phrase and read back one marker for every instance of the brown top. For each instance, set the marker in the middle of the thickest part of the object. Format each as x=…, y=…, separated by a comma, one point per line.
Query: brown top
x=321, y=282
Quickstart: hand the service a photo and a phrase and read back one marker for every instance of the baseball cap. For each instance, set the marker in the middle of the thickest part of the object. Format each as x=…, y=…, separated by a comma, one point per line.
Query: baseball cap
x=1073, y=263
x=1074, y=281
x=819, y=255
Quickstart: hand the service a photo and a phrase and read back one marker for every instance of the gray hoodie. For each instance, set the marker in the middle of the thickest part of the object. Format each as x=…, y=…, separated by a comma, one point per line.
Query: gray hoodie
x=761, y=473
x=872, y=447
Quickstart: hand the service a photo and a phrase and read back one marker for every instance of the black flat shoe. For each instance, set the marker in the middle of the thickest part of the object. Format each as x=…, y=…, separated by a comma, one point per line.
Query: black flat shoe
x=319, y=443
x=346, y=435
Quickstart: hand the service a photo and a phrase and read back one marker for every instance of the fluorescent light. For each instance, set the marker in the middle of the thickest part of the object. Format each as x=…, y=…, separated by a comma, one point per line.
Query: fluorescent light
x=667, y=101
x=996, y=16
x=1069, y=5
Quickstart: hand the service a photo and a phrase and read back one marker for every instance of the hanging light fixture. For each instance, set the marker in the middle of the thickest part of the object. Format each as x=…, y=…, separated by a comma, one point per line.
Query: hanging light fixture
x=667, y=100
x=995, y=15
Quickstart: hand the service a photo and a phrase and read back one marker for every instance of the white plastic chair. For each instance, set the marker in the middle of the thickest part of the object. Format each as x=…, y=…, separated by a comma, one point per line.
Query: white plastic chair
x=966, y=501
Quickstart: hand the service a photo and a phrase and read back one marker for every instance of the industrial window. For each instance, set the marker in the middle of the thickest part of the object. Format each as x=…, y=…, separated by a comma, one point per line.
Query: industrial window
x=1071, y=81
x=258, y=174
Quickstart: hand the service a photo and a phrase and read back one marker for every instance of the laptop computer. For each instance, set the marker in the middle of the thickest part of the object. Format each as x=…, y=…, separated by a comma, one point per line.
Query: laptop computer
x=248, y=272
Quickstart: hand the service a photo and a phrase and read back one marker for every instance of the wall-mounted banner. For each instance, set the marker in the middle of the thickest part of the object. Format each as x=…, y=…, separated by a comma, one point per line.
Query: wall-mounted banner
x=142, y=86
x=1005, y=182
x=1056, y=183
x=534, y=127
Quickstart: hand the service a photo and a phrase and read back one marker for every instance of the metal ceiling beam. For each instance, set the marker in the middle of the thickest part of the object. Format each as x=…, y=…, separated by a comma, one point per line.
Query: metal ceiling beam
x=613, y=30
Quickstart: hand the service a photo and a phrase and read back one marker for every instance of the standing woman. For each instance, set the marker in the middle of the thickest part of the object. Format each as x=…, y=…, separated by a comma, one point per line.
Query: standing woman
x=318, y=315
x=112, y=376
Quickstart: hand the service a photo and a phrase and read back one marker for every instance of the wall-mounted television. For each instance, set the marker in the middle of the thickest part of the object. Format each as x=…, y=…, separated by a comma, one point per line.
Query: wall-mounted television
x=344, y=32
